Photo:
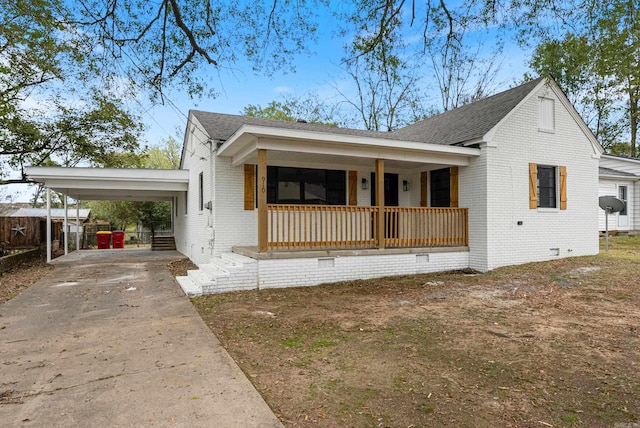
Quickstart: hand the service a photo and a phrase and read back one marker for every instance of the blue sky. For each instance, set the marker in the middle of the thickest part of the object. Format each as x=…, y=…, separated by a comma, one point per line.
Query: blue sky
x=318, y=72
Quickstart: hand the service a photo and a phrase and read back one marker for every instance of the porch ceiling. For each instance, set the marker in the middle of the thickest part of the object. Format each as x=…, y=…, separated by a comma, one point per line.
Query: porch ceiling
x=114, y=184
x=307, y=146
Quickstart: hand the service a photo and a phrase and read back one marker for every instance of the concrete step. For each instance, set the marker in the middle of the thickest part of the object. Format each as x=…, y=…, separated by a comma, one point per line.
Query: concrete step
x=225, y=263
x=189, y=287
x=214, y=269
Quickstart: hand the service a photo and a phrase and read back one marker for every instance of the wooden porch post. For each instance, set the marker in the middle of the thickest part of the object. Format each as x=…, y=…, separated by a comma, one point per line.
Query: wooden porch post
x=263, y=223
x=380, y=201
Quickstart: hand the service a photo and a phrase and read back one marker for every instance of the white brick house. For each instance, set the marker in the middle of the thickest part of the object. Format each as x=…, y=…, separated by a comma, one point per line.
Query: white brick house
x=620, y=177
x=510, y=179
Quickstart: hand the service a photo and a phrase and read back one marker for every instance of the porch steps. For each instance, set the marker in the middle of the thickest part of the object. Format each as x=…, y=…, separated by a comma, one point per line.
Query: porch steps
x=225, y=272
x=163, y=243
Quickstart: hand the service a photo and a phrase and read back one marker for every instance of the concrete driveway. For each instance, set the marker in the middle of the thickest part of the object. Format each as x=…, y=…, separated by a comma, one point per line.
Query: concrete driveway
x=109, y=339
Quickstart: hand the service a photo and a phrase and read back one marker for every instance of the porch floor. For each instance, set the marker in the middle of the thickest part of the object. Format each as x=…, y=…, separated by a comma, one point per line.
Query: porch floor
x=311, y=253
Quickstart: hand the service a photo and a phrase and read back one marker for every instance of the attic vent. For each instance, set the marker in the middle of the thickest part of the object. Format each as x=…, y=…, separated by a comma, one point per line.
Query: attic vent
x=301, y=121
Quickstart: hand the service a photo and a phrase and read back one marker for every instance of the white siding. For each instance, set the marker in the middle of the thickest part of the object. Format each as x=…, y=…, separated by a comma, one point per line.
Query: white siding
x=609, y=187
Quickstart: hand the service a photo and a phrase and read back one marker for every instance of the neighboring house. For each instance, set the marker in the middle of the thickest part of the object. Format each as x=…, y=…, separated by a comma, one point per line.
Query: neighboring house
x=509, y=179
x=620, y=177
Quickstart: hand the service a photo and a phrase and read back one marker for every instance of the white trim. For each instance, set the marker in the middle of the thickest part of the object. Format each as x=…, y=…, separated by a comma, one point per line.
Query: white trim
x=112, y=183
x=244, y=143
x=620, y=158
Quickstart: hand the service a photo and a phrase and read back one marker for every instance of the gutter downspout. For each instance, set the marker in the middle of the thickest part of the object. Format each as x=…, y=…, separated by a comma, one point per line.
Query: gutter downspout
x=78, y=225
x=212, y=236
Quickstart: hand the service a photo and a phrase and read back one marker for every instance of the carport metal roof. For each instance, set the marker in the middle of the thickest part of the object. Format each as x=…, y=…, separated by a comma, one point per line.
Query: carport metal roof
x=114, y=184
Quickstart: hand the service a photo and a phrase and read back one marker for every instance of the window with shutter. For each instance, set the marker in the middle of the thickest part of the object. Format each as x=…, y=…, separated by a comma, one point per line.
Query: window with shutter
x=453, y=177
x=249, y=187
x=424, y=190
x=353, y=188
x=547, y=186
x=533, y=186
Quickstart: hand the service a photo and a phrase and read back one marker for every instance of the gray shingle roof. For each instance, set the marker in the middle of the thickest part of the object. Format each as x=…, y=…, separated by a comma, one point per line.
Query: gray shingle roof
x=454, y=126
x=55, y=213
x=609, y=171
x=468, y=122
x=222, y=126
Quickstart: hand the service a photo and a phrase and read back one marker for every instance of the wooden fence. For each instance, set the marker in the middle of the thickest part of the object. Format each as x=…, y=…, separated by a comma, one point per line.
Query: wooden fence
x=27, y=232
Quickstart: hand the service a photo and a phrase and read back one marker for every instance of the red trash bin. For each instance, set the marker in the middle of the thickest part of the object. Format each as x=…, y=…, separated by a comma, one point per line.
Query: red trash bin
x=118, y=239
x=104, y=240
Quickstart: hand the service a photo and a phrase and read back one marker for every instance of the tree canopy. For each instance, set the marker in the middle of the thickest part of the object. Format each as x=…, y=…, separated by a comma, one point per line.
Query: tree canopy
x=70, y=72
x=122, y=214
x=597, y=63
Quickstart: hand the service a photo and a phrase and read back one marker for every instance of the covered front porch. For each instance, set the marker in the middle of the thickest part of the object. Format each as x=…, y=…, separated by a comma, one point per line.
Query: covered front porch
x=387, y=199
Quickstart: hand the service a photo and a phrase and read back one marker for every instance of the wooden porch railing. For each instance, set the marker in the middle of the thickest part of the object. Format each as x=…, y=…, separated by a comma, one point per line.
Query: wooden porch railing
x=295, y=227
x=321, y=226
x=425, y=227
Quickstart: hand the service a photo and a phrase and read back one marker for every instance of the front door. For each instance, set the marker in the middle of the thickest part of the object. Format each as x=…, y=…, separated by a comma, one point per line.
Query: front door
x=623, y=216
x=390, y=200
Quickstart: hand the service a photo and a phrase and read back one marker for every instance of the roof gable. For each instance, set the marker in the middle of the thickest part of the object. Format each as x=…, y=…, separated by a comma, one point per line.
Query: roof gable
x=469, y=122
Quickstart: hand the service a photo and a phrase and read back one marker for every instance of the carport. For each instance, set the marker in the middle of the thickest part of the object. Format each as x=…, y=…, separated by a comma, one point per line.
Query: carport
x=113, y=184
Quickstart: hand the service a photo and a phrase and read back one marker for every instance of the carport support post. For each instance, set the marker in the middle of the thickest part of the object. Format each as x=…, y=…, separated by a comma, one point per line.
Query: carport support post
x=263, y=222
x=77, y=225
x=66, y=227
x=48, y=225
x=380, y=201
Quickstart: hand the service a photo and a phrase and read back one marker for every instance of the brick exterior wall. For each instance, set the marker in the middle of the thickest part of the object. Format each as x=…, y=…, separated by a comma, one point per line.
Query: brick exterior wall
x=518, y=141
x=234, y=226
x=194, y=230
x=314, y=271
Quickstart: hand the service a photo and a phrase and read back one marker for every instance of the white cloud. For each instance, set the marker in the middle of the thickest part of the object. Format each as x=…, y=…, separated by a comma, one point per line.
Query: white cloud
x=282, y=89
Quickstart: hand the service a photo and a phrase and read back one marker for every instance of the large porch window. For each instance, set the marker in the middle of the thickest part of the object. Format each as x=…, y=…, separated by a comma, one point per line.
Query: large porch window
x=441, y=188
x=306, y=186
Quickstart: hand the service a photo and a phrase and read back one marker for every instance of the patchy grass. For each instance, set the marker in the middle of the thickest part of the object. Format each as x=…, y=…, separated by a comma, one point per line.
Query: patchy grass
x=543, y=344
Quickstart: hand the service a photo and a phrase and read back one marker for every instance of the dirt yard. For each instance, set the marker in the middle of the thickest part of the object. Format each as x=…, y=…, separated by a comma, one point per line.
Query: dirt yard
x=552, y=344
x=19, y=278
x=542, y=345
